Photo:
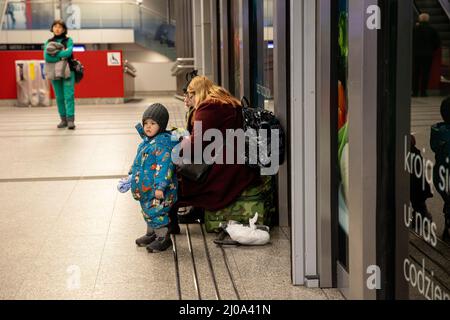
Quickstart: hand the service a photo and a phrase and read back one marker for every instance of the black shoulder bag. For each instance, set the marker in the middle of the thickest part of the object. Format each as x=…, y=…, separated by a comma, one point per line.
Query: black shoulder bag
x=194, y=172
x=74, y=64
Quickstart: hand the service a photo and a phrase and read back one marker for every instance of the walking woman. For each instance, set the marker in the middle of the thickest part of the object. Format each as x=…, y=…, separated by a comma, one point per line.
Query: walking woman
x=58, y=57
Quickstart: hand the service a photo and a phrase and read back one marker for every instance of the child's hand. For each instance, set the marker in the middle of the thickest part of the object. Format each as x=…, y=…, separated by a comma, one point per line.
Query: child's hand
x=159, y=195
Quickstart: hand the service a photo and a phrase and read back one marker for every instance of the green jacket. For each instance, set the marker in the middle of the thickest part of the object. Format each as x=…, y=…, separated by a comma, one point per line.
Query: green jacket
x=62, y=54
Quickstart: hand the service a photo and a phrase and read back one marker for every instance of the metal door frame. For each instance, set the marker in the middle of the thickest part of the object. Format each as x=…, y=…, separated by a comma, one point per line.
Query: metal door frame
x=362, y=198
x=327, y=153
x=281, y=70
x=303, y=145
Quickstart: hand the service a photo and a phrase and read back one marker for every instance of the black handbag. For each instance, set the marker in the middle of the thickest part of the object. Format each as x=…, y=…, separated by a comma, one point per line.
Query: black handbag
x=194, y=172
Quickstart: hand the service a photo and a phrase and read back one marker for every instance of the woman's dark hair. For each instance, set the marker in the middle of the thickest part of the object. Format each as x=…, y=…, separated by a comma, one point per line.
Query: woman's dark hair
x=61, y=23
x=445, y=110
x=189, y=77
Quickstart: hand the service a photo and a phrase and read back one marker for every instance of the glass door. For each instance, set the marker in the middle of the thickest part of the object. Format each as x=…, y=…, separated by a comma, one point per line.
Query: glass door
x=342, y=135
x=426, y=160
x=235, y=32
x=416, y=163
x=262, y=54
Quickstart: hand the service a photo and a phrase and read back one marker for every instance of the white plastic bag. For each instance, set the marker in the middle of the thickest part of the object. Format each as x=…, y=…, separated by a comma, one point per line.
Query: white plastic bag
x=248, y=235
x=34, y=98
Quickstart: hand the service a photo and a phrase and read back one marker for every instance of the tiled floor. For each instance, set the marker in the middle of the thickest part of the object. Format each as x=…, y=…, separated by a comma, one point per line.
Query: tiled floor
x=66, y=233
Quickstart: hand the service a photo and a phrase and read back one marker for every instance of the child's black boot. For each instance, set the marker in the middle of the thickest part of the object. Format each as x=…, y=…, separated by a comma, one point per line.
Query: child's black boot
x=162, y=242
x=149, y=237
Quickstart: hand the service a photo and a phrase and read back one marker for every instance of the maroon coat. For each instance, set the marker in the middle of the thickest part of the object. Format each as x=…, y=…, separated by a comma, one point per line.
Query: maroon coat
x=224, y=183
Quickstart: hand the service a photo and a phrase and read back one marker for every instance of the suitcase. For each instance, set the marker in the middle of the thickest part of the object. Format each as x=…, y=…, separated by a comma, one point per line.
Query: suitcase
x=255, y=199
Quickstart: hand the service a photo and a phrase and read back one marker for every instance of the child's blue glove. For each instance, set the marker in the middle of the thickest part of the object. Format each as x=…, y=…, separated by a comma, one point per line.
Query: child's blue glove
x=124, y=185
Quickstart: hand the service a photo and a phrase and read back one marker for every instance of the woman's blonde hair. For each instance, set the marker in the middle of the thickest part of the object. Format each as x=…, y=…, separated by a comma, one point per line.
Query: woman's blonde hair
x=204, y=89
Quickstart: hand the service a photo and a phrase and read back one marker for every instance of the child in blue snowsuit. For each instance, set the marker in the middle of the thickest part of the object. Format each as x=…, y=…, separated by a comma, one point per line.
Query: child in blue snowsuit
x=153, y=179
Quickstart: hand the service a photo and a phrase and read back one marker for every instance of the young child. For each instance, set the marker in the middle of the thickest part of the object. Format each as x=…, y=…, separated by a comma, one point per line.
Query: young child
x=152, y=178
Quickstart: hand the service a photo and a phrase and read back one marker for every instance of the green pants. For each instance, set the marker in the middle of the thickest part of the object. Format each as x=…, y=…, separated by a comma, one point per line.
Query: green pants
x=65, y=95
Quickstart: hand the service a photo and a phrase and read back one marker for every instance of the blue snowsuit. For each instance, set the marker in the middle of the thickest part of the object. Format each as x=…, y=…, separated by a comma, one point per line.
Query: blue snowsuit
x=154, y=170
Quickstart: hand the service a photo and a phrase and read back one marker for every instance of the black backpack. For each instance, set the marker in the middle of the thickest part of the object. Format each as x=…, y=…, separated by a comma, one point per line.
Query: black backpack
x=75, y=65
x=257, y=118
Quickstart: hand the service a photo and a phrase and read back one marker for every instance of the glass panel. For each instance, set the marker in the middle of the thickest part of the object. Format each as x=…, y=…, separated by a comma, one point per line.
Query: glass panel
x=15, y=16
x=129, y=16
x=112, y=18
x=42, y=15
x=343, y=146
x=84, y=15
x=427, y=161
x=235, y=34
x=2, y=11
x=152, y=29
x=262, y=87
x=22, y=15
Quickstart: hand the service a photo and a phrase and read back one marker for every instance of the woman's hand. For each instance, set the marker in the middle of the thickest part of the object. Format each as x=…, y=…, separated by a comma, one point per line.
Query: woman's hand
x=159, y=195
